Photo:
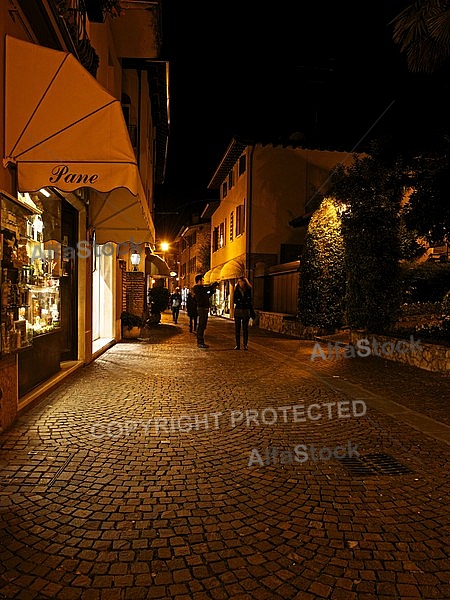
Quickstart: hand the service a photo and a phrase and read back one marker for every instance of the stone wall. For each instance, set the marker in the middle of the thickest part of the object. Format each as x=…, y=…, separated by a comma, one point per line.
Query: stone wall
x=286, y=325
x=430, y=357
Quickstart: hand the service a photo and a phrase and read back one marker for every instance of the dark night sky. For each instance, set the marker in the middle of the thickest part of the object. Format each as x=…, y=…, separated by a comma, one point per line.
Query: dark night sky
x=267, y=70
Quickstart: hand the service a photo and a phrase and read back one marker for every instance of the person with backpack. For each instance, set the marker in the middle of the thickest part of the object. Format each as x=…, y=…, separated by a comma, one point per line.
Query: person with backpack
x=175, y=304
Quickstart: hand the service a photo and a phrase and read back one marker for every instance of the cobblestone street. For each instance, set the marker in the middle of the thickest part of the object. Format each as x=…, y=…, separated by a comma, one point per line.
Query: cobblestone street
x=138, y=476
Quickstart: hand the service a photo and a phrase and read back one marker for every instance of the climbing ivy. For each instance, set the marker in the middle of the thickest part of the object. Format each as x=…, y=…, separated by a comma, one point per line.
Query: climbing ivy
x=322, y=272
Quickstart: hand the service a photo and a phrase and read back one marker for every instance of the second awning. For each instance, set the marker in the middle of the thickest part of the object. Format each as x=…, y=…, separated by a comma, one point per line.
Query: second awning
x=117, y=216
x=155, y=265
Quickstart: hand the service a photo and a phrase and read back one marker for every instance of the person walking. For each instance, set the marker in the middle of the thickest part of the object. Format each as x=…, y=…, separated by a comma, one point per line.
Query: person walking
x=191, y=308
x=202, y=294
x=175, y=304
x=243, y=310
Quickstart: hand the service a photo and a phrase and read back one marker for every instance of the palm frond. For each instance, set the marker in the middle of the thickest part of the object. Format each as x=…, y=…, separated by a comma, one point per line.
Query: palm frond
x=422, y=30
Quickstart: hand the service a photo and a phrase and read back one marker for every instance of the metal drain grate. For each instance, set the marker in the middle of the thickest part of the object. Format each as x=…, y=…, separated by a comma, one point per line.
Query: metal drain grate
x=374, y=464
x=356, y=466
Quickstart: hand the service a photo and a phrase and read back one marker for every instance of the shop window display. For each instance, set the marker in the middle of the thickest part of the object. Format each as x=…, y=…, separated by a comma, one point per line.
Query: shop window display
x=30, y=271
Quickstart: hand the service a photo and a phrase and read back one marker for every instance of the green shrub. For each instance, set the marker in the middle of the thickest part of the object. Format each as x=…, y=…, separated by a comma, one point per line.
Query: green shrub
x=158, y=298
x=371, y=189
x=427, y=282
x=446, y=305
x=130, y=320
x=421, y=308
x=434, y=332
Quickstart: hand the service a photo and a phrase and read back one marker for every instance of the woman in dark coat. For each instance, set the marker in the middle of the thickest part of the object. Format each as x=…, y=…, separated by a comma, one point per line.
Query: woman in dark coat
x=242, y=300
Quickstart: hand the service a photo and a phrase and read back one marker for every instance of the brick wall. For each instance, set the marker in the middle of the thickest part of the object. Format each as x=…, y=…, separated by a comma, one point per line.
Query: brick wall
x=133, y=296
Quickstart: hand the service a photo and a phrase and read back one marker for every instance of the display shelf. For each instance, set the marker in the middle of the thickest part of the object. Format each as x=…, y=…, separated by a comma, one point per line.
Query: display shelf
x=31, y=266
x=44, y=307
x=15, y=327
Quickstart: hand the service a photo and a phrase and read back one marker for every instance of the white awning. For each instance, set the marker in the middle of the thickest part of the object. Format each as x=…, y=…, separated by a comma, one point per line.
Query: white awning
x=212, y=275
x=63, y=129
x=155, y=265
x=117, y=216
x=232, y=270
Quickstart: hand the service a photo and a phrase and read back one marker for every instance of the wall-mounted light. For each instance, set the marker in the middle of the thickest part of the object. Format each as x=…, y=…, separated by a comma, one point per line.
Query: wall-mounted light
x=45, y=192
x=135, y=260
x=38, y=224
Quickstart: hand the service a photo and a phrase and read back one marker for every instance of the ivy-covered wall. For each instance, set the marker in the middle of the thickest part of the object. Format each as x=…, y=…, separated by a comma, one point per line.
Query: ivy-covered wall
x=322, y=270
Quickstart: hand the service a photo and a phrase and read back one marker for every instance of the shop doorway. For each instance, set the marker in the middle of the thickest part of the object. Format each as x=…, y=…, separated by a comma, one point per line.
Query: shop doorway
x=69, y=284
x=102, y=295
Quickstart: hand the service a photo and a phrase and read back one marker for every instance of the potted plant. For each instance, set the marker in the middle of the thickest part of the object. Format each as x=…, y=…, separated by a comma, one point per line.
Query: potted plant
x=131, y=325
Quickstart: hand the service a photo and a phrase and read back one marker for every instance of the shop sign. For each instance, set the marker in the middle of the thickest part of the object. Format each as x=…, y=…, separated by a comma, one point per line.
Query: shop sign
x=62, y=173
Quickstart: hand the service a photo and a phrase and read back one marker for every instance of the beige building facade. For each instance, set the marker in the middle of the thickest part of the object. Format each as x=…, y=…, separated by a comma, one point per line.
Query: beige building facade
x=194, y=248
x=263, y=186
x=83, y=150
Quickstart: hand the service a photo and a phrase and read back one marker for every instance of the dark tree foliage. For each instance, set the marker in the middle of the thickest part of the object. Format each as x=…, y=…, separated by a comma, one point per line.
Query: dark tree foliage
x=422, y=30
x=372, y=189
x=426, y=282
x=428, y=209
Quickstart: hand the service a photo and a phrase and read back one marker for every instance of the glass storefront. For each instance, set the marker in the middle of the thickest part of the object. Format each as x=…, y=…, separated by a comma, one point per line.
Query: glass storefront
x=30, y=273
x=103, y=265
x=38, y=270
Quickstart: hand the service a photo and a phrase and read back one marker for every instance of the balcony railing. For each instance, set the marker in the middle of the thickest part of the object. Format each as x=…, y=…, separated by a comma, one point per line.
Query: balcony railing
x=74, y=14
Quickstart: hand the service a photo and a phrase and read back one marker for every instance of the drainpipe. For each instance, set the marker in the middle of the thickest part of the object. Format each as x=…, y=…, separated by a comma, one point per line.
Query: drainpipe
x=138, y=133
x=249, y=215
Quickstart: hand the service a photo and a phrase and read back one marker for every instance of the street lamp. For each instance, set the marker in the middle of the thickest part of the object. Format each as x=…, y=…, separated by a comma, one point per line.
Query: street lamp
x=164, y=248
x=135, y=260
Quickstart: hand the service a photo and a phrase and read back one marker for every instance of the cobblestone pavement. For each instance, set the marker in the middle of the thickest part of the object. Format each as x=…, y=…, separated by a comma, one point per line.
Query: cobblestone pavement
x=117, y=486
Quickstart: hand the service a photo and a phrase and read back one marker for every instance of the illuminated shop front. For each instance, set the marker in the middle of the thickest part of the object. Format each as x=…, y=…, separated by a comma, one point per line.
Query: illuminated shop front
x=38, y=284
x=75, y=180
x=103, y=285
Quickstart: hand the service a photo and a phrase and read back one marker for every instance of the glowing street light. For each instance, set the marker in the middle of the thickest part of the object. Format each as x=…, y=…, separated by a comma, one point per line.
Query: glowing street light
x=135, y=260
x=164, y=248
